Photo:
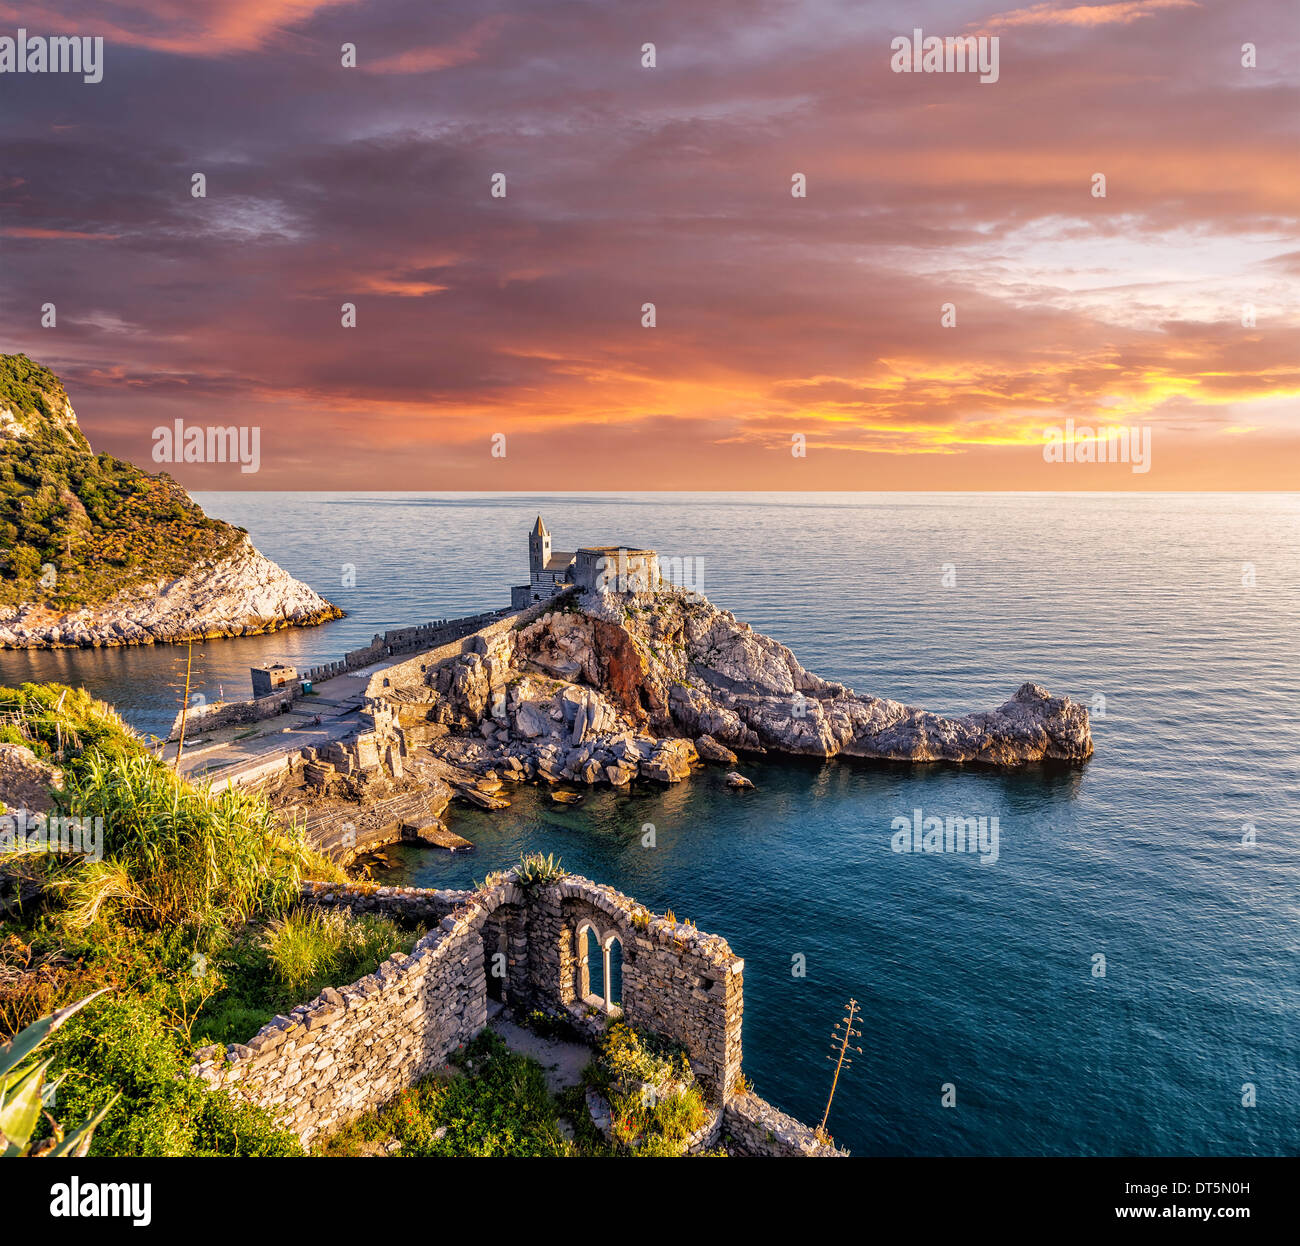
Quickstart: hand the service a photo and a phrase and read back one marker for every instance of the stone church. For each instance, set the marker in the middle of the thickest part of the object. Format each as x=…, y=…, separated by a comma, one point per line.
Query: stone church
x=550, y=572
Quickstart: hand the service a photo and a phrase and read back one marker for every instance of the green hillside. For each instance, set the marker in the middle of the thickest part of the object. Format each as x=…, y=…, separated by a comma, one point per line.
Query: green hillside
x=102, y=524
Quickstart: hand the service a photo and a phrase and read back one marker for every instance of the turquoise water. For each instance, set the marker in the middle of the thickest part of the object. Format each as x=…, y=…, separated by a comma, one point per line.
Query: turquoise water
x=1180, y=611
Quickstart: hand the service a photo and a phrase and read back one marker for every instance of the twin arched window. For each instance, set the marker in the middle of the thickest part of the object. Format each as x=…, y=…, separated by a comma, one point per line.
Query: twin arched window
x=600, y=968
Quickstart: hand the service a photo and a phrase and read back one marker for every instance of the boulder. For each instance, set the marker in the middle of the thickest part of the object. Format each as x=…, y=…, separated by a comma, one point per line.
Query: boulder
x=531, y=720
x=710, y=750
x=25, y=780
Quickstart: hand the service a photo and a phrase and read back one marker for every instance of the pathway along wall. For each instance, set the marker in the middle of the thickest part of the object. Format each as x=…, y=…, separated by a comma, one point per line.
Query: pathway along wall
x=353, y=1049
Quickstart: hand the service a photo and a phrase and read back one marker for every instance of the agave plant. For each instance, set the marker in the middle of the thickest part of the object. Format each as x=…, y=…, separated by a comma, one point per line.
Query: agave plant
x=21, y=1091
x=535, y=868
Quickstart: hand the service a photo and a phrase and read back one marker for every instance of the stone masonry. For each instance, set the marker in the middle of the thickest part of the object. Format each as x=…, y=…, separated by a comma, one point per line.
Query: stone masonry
x=353, y=1048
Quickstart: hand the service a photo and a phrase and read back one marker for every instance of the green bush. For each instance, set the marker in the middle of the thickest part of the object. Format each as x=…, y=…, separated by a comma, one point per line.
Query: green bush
x=24, y=1091
x=126, y=1046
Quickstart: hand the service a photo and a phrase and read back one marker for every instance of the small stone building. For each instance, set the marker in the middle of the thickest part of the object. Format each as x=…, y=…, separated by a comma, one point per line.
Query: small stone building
x=269, y=679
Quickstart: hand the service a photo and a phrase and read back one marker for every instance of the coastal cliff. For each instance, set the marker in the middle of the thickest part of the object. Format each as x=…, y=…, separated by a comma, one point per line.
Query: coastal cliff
x=607, y=687
x=94, y=551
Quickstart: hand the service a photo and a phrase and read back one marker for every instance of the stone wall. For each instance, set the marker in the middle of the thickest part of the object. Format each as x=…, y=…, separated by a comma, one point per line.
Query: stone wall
x=408, y=905
x=345, y=832
x=214, y=714
x=613, y=569
x=403, y=640
x=354, y=1048
x=752, y=1126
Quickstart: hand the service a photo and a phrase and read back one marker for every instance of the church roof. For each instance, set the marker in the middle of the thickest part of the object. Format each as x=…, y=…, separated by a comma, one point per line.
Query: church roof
x=558, y=560
x=613, y=549
x=539, y=528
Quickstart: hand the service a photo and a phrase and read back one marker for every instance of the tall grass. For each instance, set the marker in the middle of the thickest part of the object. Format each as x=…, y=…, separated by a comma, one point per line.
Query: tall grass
x=62, y=724
x=311, y=946
x=176, y=855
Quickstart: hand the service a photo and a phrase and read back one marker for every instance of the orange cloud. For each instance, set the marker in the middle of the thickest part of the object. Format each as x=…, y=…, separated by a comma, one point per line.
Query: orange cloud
x=182, y=27
x=1122, y=13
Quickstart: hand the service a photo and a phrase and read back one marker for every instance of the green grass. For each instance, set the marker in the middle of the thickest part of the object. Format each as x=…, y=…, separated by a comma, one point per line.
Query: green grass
x=491, y=1102
x=309, y=945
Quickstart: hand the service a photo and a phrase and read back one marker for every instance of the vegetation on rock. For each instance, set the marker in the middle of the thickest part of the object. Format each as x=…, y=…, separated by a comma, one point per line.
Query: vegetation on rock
x=654, y=1102
x=77, y=527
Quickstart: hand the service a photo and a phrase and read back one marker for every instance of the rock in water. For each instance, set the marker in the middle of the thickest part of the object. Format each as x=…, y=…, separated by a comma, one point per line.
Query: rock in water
x=710, y=750
x=674, y=665
x=738, y=780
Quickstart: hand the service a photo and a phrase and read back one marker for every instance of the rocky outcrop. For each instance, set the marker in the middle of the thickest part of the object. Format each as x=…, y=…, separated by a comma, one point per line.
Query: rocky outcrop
x=619, y=687
x=242, y=595
x=710, y=750
x=137, y=561
x=702, y=672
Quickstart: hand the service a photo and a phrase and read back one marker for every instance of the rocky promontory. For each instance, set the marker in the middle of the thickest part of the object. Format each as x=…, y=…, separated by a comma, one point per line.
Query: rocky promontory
x=242, y=594
x=94, y=551
x=608, y=687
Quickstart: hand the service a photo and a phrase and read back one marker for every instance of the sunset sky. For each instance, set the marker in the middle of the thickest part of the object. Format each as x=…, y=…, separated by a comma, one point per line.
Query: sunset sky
x=669, y=185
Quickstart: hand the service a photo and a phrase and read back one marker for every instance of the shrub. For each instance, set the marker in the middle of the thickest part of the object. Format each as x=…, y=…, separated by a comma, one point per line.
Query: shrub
x=311, y=944
x=126, y=1047
x=653, y=1099
x=23, y=1092
x=176, y=855
x=498, y=1106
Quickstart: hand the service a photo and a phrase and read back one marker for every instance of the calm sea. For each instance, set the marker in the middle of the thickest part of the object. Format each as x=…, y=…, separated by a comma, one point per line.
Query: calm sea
x=1174, y=616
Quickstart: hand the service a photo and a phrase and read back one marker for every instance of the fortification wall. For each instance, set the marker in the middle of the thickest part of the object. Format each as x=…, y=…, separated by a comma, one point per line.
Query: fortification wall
x=402, y=640
x=413, y=673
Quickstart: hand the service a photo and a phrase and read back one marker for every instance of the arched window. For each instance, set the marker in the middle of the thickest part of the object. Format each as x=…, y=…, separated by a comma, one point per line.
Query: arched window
x=600, y=968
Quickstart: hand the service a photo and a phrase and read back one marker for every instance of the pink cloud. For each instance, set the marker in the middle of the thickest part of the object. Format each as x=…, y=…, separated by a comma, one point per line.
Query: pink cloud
x=459, y=51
